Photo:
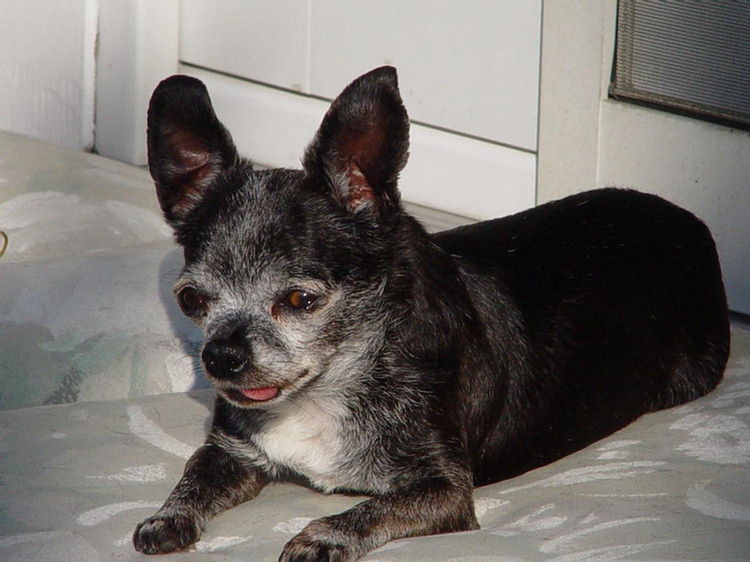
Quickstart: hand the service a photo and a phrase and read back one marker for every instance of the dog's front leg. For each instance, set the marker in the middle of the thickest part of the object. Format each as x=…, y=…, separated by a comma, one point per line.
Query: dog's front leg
x=214, y=481
x=424, y=508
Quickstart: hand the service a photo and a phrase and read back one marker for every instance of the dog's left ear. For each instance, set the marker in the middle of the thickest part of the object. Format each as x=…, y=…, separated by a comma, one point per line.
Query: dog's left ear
x=362, y=145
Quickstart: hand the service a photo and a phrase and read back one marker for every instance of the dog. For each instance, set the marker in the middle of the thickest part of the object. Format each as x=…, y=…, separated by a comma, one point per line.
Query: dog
x=353, y=351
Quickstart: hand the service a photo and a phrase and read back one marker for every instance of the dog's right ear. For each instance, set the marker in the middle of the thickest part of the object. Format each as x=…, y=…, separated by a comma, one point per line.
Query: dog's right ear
x=187, y=145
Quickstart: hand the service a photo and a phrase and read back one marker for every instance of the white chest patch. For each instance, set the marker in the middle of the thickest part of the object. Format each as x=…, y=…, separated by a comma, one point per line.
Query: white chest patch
x=307, y=439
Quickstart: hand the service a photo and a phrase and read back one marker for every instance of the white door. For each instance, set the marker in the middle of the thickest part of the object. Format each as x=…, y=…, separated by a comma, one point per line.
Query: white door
x=468, y=72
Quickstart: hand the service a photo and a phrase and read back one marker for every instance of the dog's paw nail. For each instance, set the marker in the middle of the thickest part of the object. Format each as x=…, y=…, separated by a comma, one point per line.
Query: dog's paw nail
x=164, y=534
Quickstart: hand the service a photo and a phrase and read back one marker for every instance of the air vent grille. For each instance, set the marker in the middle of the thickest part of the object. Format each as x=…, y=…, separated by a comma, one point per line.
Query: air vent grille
x=688, y=56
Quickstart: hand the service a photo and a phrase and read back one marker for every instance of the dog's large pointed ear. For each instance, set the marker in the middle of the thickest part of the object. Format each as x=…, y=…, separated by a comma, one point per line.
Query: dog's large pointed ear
x=187, y=145
x=362, y=145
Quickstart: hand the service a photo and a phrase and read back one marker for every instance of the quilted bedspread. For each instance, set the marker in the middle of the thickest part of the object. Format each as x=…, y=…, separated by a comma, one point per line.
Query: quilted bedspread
x=101, y=406
x=673, y=486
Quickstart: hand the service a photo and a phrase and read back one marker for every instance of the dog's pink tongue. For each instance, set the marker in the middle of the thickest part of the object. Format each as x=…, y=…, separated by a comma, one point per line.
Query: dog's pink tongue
x=260, y=394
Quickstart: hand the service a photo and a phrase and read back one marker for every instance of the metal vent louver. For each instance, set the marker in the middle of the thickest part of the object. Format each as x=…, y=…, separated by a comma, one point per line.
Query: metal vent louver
x=689, y=56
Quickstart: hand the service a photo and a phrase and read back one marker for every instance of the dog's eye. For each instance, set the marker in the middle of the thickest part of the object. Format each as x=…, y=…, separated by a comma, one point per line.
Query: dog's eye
x=191, y=301
x=296, y=300
x=300, y=300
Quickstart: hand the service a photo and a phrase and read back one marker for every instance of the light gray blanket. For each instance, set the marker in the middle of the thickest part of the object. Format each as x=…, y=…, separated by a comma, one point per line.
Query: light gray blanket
x=673, y=486
x=89, y=327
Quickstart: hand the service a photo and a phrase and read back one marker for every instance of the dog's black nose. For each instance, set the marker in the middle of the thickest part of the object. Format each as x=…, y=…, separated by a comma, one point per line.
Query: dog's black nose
x=224, y=359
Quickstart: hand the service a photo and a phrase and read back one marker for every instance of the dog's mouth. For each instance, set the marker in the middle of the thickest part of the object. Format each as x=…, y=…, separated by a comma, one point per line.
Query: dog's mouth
x=251, y=395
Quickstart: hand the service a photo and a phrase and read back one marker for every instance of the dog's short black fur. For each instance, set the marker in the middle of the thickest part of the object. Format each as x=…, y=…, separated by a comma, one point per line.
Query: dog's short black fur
x=351, y=349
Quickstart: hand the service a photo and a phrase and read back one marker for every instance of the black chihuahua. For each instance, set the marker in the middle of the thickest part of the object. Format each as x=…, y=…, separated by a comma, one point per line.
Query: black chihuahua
x=351, y=349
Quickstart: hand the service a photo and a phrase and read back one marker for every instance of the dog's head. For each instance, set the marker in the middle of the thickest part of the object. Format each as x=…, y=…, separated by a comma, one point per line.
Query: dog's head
x=284, y=269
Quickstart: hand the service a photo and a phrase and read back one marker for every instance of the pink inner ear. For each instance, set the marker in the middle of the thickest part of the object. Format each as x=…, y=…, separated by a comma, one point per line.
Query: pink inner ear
x=189, y=152
x=190, y=171
x=194, y=164
x=360, y=192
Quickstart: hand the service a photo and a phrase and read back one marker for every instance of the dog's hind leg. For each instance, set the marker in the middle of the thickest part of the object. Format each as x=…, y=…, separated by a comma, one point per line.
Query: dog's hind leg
x=696, y=377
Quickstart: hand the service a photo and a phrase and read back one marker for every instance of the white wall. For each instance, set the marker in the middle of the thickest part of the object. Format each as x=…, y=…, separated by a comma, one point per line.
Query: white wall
x=47, y=70
x=137, y=47
x=79, y=73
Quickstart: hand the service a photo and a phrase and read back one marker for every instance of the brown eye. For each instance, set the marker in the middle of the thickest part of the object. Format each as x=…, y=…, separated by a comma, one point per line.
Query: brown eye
x=191, y=301
x=300, y=300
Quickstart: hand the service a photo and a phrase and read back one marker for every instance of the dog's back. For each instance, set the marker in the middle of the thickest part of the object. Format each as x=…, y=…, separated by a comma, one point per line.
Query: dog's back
x=616, y=308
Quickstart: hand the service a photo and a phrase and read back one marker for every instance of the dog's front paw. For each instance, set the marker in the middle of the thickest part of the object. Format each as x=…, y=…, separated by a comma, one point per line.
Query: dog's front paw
x=320, y=542
x=162, y=534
